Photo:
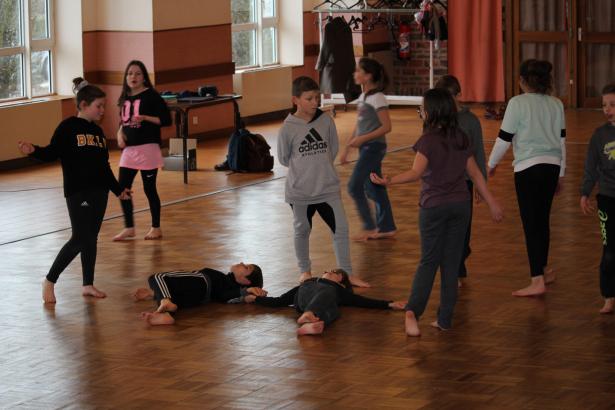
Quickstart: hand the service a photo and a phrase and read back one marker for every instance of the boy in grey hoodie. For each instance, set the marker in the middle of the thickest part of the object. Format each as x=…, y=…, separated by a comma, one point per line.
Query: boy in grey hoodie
x=308, y=145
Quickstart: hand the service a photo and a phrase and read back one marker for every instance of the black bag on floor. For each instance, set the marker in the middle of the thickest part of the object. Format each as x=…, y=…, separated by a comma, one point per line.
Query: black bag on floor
x=248, y=152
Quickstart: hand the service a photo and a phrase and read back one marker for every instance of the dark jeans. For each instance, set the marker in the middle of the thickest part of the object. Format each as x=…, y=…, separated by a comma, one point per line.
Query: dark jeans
x=86, y=210
x=606, y=208
x=443, y=230
x=360, y=188
x=535, y=188
x=463, y=271
x=319, y=298
x=127, y=177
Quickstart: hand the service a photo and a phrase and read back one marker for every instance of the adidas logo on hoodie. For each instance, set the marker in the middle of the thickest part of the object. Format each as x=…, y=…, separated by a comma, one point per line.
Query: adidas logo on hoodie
x=313, y=144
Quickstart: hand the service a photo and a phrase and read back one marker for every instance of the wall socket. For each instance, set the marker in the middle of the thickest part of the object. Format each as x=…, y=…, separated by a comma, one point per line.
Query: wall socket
x=195, y=120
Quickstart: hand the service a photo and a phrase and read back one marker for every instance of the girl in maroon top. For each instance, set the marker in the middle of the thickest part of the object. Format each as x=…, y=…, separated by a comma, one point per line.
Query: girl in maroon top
x=443, y=157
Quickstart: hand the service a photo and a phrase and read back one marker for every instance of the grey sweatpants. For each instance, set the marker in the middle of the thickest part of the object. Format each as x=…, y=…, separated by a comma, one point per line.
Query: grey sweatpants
x=332, y=212
x=443, y=231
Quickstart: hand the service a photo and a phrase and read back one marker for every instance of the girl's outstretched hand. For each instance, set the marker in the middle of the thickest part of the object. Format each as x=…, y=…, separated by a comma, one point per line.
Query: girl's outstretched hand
x=25, y=147
x=398, y=305
x=376, y=179
x=497, y=214
x=257, y=291
x=126, y=194
x=586, y=205
x=491, y=171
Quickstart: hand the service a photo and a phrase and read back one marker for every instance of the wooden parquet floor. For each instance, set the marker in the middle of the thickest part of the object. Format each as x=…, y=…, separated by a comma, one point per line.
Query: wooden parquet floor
x=553, y=352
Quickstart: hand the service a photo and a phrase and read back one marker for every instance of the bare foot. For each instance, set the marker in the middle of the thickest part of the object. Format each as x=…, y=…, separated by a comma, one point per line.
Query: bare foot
x=154, y=233
x=536, y=288
x=549, y=275
x=437, y=325
x=307, y=317
x=127, y=233
x=157, y=318
x=49, y=295
x=166, y=306
x=92, y=291
x=359, y=283
x=461, y=282
x=305, y=276
x=412, y=326
x=383, y=235
x=364, y=236
x=315, y=328
x=609, y=306
x=142, y=294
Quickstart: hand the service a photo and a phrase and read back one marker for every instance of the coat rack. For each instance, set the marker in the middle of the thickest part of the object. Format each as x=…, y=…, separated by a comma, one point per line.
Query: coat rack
x=392, y=99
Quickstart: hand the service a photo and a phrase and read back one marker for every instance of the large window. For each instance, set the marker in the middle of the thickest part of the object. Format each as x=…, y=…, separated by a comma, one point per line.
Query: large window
x=255, y=32
x=26, y=48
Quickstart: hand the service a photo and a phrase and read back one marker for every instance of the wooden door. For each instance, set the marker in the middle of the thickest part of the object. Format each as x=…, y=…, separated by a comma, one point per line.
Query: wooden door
x=542, y=30
x=596, y=37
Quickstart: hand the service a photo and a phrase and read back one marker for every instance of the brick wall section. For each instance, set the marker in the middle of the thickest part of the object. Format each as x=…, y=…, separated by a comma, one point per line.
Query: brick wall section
x=411, y=77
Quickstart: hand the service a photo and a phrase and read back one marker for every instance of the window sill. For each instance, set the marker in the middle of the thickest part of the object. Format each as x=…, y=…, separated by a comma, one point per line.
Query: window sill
x=266, y=68
x=35, y=100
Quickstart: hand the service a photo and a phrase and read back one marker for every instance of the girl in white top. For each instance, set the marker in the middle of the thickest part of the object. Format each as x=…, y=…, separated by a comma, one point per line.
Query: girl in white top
x=369, y=136
x=535, y=126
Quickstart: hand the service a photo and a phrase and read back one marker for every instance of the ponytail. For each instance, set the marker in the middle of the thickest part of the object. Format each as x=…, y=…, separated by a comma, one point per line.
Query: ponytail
x=86, y=92
x=380, y=78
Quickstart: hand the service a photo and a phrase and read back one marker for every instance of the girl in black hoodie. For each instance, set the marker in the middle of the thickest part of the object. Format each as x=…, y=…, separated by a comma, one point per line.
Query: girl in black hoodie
x=81, y=146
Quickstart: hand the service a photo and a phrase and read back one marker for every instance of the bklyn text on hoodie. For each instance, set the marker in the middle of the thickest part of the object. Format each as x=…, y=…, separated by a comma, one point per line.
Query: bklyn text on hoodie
x=308, y=149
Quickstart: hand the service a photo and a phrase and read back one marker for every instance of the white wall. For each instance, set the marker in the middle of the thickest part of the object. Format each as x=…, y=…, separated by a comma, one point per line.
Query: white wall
x=291, y=33
x=264, y=91
x=68, y=49
x=195, y=13
x=121, y=15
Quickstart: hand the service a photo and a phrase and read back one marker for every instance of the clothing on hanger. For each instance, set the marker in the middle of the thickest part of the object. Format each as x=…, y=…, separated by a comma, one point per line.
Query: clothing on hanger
x=336, y=61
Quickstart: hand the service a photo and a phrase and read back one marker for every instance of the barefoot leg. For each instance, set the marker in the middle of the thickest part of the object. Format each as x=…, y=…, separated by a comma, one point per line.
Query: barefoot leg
x=127, y=233
x=157, y=318
x=609, y=306
x=412, y=325
x=49, y=295
x=90, y=290
x=536, y=288
x=549, y=275
x=166, y=306
x=364, y=236
x=307, y=317
x=437, y=325
x=383, y=235
x=142, y=294
x=154, y=233
x=315, y=328
x=305, y=276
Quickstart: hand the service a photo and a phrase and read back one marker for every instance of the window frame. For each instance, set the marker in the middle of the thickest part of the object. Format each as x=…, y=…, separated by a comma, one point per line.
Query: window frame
x=260, y=24
x=29, y=46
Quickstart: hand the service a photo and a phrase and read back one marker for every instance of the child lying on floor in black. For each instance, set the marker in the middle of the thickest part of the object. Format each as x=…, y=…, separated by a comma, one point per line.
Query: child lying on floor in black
x=181, y=289
x=318, y=299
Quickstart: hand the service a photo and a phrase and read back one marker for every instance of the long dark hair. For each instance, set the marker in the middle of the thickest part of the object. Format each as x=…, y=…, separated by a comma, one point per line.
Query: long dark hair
x=441, y=114
x=125, y=88
x=345, y=282
x=537, y=75
x=85, y=92
x=379, y=75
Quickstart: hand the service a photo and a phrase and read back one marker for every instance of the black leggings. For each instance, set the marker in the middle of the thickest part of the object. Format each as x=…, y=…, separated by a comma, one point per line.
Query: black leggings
x=86, y=211
x=535, y=190
x=127, y=177
x=185, y=289
x=606, y=213
x=463, y=271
